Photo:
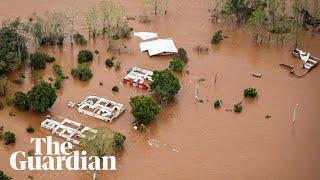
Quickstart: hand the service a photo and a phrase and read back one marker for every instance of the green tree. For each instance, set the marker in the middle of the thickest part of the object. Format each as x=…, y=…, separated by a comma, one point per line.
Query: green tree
x=85, y=56
x=4, y=176
x=118, y=140
x=182, y=55
x=238, y=8
x=3, y=85
x=82, y=72
x=216, y=37
x=250, y=92
x=9, y=138
x=297, y=22
x=256, y=24
x=21, y=101
x=176, y=65
x=143, y=109
x=38, y=60
x=165, y=85
x=42, y=97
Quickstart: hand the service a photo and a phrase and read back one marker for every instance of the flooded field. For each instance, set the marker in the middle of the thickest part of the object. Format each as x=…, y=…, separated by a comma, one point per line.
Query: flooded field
x=188, y=140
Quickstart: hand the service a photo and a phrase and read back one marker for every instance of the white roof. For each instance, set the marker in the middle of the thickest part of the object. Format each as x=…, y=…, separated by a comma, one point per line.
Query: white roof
x=146, y=35
x=159, y=47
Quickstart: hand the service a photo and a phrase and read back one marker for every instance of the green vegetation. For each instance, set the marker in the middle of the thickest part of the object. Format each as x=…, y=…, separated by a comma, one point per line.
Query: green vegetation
x=118, y=140
x=30, y=129
x=9, y=138
x=217, y=103
x=143, y=109
x=42, y=97
x=238, y=107
x=216, y=37
x=115, y=89
x=165, y=85
x=4, y=176
x=79, y=39
x=38, y=60
x=60, y=77
x=3, y=86
x=82, y=72
x=21, y=101
x=250, y=92
x=176, y=65
x=85, y=56
x=182, y=55
x=117, y=66
x=109, y=63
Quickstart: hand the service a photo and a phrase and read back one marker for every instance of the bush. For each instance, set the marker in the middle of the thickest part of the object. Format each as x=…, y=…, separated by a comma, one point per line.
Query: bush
x=58, y=82
x=4, y=176
x=143, y=109
x=115, y=89
x=57, y=69
x=42, y=97
x=79, y=39
x=9, y=138
x=165, y=85
x=109, y=63
x=182, y=55
x=21, y=101
x=82, y=72
x=217, y=103
x=118, y=140
x=117, y=66
x=217, y=37
x=250, y=92
x=85, y=56
x=176, y=65
x=30, y=129
x=38, y=60
x=238, y=107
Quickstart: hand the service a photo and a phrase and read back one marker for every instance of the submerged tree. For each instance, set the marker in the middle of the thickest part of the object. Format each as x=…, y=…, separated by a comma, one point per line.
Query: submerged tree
x=3, y=85
x=21, y=101
x=256, y=24
x=143, y=109
x=296, y=23
x=165, y=85
x=42, y=97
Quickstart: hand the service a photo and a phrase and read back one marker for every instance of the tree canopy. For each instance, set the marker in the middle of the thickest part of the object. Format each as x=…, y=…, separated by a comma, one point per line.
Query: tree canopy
x=143, y=109
x=42, y=97
x=21, y=101
x=82, y=72
x=165, y=85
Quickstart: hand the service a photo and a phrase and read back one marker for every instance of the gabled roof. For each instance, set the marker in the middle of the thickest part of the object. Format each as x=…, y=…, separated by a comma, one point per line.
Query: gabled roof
x=159, y=47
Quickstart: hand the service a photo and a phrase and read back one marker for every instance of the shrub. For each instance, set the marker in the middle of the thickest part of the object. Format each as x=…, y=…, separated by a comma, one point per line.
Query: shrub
x=182, y=55
x=38, y=60
x=165, y=85
x=143, y=109
x=79, y=39
x=238, y=107
x=115, y=89
x=176, y=65
x=30, y=129
x=4, y=176
x=85, y=56
x=250, y=92
x=58, y=82
x=57, y=69
x=21, y=101
x=82, y=72
x=201, y=49
x=217, y=103
x=217, y=37
x=117, y=66
x=9, y=138
x=42, y=97
x=118, y=140
x=109, y=63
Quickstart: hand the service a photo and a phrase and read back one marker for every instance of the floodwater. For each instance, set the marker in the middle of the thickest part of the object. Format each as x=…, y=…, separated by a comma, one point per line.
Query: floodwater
x=188, y=140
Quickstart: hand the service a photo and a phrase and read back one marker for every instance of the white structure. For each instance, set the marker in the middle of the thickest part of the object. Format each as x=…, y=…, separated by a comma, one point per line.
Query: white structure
x=136, y=77
x=159, y=47
x=72, y=131
x=146, y=35
x=309, y=61
x=100, y=108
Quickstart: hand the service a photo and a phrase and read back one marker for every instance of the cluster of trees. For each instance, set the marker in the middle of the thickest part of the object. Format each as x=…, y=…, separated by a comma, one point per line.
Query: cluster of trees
x=40, y=98
x=176, y=64
x=82, y=72
x=38, y=60
x=270, y=20
x=60, y=77
x=143, y=109
x=157, y=6
x=107, y=18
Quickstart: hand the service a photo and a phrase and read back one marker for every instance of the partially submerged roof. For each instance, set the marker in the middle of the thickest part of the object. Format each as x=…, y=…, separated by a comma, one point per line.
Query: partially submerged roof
x=159, y=47
x=146, y=35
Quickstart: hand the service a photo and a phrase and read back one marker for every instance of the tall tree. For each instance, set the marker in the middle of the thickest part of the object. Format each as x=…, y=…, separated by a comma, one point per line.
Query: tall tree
x=256, y=24
x=296, y=23
x=3, y=85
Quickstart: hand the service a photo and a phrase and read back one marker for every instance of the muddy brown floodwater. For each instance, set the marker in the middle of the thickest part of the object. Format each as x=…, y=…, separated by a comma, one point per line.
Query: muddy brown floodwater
x=188, y=140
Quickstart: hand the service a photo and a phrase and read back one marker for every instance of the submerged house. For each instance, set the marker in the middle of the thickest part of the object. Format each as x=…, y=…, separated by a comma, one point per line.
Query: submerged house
x=136, y=77
x=100, y=108
x=159, y=47
x=71, y=130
